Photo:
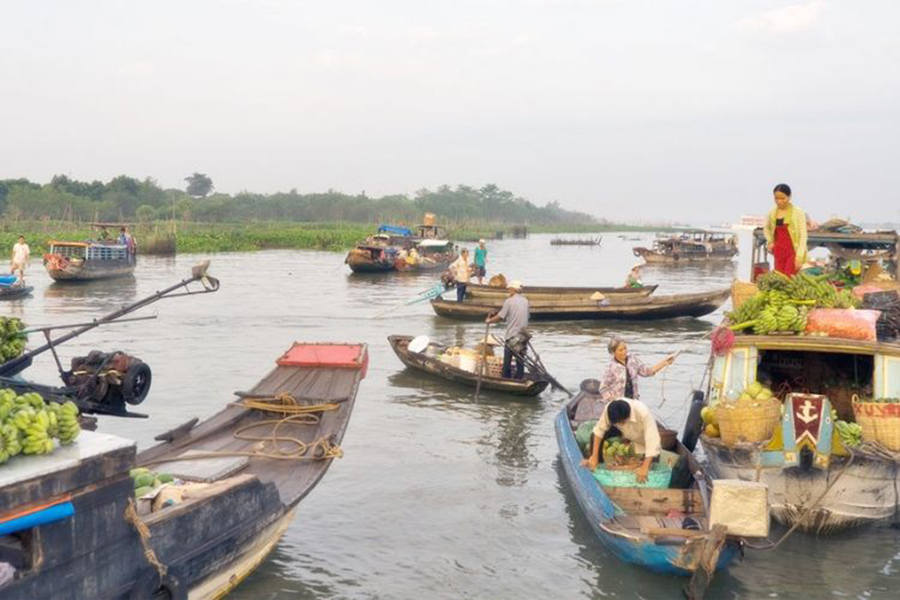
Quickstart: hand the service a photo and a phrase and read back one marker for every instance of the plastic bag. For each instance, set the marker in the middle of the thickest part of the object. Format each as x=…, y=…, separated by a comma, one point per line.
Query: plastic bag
x=860, y=291
x=847, y=323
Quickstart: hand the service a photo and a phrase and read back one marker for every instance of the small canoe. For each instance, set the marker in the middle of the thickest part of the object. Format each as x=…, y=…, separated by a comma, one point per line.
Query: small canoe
x=422, y=362
x=633, y=523
x=11, y=292
x=540, y=292
x=626, y=308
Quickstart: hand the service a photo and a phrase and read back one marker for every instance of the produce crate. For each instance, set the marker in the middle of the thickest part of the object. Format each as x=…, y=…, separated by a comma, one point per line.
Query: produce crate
x=880, y=422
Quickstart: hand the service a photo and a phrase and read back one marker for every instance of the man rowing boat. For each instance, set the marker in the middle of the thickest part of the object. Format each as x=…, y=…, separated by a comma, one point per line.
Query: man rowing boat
x=515, y=311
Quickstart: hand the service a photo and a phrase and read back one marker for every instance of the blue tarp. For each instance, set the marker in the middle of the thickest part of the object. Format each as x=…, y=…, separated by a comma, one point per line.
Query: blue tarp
x=8, y=280
x=396, y=230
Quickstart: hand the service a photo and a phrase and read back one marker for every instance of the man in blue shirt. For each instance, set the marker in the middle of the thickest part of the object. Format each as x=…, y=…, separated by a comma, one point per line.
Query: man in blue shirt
x=480, y=261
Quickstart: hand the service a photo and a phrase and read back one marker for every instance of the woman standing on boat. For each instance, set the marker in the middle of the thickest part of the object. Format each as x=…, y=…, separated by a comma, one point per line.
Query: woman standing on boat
x=620, y=379
x=785, y=232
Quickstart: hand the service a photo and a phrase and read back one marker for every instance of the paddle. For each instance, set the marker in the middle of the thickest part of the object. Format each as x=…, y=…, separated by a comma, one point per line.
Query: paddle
x=484, y=343
x=537, y=367
x=428, y=294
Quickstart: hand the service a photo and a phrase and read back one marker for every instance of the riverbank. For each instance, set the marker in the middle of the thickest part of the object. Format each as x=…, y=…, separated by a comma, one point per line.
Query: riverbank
x=164, y=237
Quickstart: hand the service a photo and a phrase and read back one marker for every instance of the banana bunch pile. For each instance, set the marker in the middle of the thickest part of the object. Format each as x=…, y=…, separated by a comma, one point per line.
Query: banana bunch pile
x=850, y=433
x=804, y=287
x=12, y=341
x=28, y=425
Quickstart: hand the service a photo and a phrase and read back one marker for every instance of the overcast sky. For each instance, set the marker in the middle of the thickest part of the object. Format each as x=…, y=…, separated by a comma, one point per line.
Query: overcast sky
x=627, y=109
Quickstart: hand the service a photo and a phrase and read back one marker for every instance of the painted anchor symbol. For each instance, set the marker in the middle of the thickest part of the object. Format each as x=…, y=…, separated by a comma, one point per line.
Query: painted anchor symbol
x=807, y=414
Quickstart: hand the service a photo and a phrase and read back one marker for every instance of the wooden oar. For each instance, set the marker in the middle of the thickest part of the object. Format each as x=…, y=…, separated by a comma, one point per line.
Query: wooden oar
x=484, y=342
x=428, y=294
x=538, y=367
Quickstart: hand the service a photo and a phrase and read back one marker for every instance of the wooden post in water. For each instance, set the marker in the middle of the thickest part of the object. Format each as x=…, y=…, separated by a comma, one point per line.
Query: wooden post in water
x=706, y=566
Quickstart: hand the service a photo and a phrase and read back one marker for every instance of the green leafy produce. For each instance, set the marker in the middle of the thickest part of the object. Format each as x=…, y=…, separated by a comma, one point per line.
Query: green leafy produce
x=850, y=433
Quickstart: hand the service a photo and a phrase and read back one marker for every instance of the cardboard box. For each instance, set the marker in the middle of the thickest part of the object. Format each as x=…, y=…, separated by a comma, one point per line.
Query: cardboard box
x=741, y=506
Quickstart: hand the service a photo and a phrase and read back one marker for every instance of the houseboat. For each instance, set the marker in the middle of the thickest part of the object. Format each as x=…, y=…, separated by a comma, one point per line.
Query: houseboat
x=690, y=247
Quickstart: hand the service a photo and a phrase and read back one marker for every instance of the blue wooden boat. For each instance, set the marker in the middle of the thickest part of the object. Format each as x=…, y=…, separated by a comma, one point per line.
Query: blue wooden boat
x=636, y=524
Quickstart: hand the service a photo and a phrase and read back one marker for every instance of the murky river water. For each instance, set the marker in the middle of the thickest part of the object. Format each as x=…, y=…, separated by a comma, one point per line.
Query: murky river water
x=438, y=495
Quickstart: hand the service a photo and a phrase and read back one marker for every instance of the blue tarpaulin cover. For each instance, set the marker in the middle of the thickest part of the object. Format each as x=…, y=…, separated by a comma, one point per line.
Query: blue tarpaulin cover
x=396, y=230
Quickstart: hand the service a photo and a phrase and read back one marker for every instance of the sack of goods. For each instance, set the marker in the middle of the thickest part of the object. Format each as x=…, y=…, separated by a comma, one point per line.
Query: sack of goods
x=753, y=417
x=879, y=421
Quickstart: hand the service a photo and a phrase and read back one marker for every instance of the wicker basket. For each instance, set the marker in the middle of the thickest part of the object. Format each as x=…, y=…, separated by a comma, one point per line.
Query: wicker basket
x=880, y=422
x=748, y=421
x=741, y=291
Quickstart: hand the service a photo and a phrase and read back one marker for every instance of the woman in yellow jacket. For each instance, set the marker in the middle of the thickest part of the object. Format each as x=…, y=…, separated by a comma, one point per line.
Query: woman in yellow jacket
x=785, y=232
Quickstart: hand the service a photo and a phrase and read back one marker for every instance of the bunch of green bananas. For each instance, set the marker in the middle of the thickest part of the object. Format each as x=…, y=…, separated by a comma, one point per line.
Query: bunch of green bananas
x=12, y=340
x=28, y=425
x=750, y=309
x=773, y=280
x=850, y=433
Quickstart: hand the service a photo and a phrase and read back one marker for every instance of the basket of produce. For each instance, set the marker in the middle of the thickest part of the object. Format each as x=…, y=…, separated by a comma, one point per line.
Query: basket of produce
x=659, y=476
x=880, y=421
x=753, y=417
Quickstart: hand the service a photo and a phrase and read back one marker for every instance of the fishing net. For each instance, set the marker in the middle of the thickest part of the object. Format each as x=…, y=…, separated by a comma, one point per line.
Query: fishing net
x=722, y=340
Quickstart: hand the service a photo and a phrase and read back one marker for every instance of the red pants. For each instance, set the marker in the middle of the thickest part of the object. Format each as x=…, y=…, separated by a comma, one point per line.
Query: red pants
x=785, y=257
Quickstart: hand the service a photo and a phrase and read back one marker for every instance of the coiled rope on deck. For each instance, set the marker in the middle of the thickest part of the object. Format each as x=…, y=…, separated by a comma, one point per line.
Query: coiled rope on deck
x=271, y=444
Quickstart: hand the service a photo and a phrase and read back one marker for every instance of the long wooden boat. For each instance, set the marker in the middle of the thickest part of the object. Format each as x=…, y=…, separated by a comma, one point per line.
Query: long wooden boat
x=577, y=242
x=642, y=309
x=690, y=247
x=243, y=489
x=540, y=292
x=87, y=261
x=814, y=483
x=632, y=522
x=422, y=362
x=386, y=250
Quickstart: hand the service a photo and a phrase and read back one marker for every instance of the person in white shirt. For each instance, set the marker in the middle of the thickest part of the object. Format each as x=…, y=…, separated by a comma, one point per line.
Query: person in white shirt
x=21, y=253
x=633, y=421
x=460, y=270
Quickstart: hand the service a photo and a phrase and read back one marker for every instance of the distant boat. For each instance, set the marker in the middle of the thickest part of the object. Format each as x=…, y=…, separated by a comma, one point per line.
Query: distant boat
x=577, y=242
x=749, y=223
x=688, y=247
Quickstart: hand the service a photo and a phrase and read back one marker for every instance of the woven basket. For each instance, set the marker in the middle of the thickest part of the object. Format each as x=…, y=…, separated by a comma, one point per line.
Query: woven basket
x=748, y=421
x=880, y=422
x=741, y=291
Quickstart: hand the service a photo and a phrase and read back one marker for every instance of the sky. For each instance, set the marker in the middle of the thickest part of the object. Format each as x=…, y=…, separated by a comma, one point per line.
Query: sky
x=687, y=110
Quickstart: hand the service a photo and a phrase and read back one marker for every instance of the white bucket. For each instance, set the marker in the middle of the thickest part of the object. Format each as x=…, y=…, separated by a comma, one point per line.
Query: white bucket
x=468, y=363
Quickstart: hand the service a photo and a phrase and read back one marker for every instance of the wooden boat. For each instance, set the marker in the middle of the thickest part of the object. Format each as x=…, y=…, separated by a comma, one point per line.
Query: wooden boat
x=642, y=309
x=87, y=261
x=16, y=289
x=577, y=242
x=95, y=541
x=387, y=250
x=537, y=292
x=421, y=361
x=632, y=522
x=690, y=247
x=813, y=483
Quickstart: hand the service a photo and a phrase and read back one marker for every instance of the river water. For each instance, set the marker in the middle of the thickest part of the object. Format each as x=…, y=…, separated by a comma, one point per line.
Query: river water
x=438, y=495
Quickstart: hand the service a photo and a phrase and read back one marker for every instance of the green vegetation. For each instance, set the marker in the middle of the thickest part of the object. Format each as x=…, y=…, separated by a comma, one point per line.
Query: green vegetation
x=205, y=222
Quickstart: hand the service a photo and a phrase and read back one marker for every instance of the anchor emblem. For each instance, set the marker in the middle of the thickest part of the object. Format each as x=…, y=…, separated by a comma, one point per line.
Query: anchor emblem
x=807, y=412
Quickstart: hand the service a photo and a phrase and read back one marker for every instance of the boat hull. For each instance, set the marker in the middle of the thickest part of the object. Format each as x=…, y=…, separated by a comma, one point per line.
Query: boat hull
x=426, y=364
x=598, y=508
x=13, y=292
x=653, y=257
x=866, y=492
x=639, y=309
x=553, y=293
x=90, y=272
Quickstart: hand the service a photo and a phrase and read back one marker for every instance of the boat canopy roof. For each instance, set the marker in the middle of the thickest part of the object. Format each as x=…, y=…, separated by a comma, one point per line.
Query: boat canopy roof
x=816, y=344
x=434, y=243
x=395, y=230
x=70, y=244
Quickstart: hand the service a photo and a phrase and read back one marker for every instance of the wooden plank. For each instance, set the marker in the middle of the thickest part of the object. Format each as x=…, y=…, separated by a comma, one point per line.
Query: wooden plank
x=668, y=531
x=648, y=501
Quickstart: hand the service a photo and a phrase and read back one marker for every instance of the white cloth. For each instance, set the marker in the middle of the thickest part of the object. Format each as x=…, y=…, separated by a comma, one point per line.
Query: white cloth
x=640, y=428
x=21, y=254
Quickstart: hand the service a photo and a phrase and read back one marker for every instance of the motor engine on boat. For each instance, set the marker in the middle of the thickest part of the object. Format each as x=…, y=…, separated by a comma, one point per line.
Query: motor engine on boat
x=109, y=380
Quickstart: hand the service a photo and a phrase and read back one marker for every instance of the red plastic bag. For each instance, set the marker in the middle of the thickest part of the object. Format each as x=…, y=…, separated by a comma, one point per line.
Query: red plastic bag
x=847, y=323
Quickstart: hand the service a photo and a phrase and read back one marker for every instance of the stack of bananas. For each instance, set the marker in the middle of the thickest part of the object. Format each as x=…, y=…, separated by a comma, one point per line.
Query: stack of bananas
x=28, y=425
x=783, y=303
x=12, y=341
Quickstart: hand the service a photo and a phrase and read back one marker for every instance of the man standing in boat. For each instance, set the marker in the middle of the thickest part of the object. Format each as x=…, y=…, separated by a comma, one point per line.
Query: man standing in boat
x=515, y=311
x=460, y=270
x=21, y=253
x=480, y=261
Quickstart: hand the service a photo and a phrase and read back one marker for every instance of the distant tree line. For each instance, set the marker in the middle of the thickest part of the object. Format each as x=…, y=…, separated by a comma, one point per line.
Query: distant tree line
x=126, y=198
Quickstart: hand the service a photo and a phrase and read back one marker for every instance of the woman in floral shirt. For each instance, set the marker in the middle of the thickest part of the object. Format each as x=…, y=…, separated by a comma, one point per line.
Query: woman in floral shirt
x=621, y=378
